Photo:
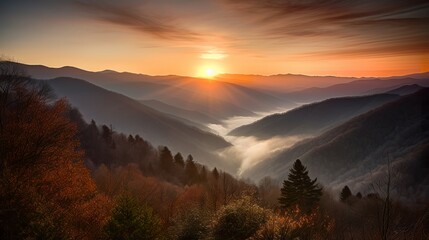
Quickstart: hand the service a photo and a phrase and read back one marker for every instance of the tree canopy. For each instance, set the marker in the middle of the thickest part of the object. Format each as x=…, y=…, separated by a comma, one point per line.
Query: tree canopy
x=299, y=190
x=131, y=220
x=46, y=191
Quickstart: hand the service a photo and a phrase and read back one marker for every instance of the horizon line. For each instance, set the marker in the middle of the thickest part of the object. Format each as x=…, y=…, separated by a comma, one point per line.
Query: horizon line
x=178, y=75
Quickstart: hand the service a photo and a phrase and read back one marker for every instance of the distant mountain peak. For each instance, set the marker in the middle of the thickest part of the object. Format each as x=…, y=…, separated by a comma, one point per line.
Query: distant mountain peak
x=108, y=71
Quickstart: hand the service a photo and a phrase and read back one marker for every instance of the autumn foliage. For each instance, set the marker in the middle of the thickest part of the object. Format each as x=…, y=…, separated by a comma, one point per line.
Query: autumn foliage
x=46, y=190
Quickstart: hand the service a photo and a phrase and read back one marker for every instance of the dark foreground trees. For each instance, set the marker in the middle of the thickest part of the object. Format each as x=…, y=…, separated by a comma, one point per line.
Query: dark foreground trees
x=299, y=190
x=46, y=192
x=132, y=221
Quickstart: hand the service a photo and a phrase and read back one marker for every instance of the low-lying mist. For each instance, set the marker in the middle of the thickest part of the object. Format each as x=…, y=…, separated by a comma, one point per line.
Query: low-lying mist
x=246, y=152
x=249, y=151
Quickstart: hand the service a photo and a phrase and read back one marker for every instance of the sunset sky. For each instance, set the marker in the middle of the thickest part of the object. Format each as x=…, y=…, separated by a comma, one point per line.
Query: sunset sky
x=188, y=37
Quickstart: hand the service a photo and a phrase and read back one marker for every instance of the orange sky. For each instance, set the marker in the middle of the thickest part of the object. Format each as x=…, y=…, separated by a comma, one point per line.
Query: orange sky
x=357, y=38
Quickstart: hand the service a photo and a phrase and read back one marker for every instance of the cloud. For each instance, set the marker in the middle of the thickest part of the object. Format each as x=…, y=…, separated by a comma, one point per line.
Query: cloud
x=249, y=151
x=128, y=16
x=329, y=11
x=395, y=26
x=214, y=54
x=246, y=152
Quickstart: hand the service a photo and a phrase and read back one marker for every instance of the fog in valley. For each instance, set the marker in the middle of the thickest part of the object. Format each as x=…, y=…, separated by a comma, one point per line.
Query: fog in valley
x=246, y=152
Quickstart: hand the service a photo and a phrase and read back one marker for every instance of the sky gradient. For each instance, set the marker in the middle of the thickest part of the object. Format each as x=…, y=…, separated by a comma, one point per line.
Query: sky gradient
x=186, y=37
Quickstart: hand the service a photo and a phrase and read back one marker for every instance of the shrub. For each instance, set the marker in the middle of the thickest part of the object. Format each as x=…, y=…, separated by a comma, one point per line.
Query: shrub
x=191, y=225
x=130, y=220
x=295, y=224
x=238, y=220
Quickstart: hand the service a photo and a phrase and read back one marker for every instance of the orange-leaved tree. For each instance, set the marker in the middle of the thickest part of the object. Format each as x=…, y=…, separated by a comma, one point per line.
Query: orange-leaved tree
x=45, y=189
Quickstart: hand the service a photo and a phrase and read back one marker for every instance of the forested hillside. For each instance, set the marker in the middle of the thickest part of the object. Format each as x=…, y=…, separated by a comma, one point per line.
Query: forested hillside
x=129, y=116
x=357, y=151
x=312, y=119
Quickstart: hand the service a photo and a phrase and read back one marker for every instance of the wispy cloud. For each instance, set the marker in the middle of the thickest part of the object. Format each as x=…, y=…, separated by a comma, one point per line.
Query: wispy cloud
x=214, y=54
x=394, y=26
x=149, y=24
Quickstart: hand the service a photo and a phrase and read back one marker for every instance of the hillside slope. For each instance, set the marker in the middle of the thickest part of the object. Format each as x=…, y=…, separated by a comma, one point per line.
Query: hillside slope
x=129, y=116
x=356, y=88
x=216, y=99
x=312, y=119
x=180, y=112
x=356, y=152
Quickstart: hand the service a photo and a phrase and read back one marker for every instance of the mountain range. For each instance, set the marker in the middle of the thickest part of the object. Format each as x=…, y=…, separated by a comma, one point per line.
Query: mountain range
x=352, y=126
x=358, y=151
x=216, y=99
x=131, y=117
x=356, y=88
x=314, y=118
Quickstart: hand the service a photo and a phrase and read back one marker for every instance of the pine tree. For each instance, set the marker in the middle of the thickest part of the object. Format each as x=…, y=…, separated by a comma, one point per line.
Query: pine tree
x=299, y=189
x=178, y=160
x=138, y=138
x=131, y=139
x=191, y=170
x=203, y=175
x=345, y=194
x=359, y=195
x=166, y=160
x=93, y=128
x=215, y=174
x=106, y=134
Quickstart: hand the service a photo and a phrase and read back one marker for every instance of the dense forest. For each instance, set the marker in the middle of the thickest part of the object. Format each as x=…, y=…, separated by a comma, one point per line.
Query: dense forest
x=64, y=178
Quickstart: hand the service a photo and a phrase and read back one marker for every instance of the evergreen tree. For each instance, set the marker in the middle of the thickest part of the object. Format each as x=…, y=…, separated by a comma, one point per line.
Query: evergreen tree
x=299, y=189
x=178, y=160
x=106, y=134
x=359, y=195
x=215, y=174
x=93, y=128
x=131, y=139
x=203, y=175
x=345, y=194
x=191, y=170
x=138, y=138
x=130, y=220
x=166, y=160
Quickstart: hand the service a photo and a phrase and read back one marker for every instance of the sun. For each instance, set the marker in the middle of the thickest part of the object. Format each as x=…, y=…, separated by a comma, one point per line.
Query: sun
x=210, y=72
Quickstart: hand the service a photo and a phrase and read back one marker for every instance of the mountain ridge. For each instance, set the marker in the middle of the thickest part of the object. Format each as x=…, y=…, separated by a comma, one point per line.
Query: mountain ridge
x=363, y=145
x=129, y=116
x=312, y=118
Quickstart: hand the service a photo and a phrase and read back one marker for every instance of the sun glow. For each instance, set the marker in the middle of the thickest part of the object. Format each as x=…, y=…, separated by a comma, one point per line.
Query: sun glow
x=208, y=72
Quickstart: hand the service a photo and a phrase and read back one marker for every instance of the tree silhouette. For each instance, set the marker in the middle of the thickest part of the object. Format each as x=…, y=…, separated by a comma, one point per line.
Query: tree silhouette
x=203, y=175
x=166, y=160
x=359, y=195
x=178, y=160
x=191, y=170
x=215, y=174
x=131, y=139
x=345, y=194
x=299, y=189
